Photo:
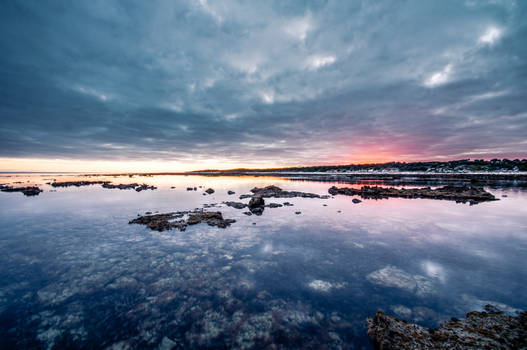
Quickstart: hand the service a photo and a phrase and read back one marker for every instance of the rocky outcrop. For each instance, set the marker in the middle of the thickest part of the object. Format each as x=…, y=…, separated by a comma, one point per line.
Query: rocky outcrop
x=460, y=194
x=132, y=186
x=27, y=191
x=479, y=330
x=181, y=219
x=104, y=184
x=277, y=192
x=76, y=183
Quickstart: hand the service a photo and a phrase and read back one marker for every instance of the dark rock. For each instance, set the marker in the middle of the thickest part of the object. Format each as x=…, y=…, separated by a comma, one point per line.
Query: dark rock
x=230, y=192
x=211, y=218
x=209, y=190
x=480, y=330
x=248, y=213
x=460, y=194
x=256, y=205
x=356, y=201
x=298, y=212
x=27, y=191
x=162, y=222
x=190, y=189
x=237, y=205
x=287, y=204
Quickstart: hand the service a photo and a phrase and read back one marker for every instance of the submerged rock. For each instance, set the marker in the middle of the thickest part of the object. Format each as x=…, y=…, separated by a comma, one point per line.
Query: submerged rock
x=274, y=205
x=180, y=220
x=460, y=194
x=479, y=330
x=27, y=191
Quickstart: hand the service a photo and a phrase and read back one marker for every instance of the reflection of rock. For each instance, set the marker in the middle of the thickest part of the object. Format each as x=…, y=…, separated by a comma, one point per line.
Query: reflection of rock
x=391, y=276
x=256, y=205
x=27, y=191
x=462, y=194
x=162, y=222
x=480, y=330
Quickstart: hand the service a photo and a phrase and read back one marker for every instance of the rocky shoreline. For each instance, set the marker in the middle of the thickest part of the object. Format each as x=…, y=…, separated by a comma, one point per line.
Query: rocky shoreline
x=490, y=329
x=27, y=190
x=460, y=194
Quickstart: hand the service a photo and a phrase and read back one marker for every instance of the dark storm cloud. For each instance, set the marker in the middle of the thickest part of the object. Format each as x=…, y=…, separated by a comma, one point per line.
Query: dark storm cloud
x=262, y=81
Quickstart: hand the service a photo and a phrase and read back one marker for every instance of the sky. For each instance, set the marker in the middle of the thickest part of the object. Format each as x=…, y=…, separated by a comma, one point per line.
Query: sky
x=182, y=85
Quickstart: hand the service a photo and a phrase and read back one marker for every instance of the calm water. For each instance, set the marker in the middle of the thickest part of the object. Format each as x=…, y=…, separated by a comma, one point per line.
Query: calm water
x=74, y=273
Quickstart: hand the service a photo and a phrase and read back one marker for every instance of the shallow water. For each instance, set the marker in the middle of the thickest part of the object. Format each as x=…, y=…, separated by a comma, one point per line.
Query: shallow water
x=75, y=274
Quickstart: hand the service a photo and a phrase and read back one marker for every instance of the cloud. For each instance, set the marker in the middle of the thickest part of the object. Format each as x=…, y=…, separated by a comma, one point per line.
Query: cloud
x=262, y=83
x=491, y=35
x=318, y=61
x=439, y=78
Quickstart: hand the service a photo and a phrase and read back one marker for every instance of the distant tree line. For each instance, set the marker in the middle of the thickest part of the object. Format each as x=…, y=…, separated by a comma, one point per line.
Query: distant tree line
x=476, y=165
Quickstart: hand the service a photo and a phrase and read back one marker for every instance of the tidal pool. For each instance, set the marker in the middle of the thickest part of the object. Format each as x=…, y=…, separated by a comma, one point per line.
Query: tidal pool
x=75, y=274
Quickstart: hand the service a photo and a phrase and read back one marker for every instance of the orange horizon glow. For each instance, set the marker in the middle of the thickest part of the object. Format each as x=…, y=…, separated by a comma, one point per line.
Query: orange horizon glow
x=159, y=166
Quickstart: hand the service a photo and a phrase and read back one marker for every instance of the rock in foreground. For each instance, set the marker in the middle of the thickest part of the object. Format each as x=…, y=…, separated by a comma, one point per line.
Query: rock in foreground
x=460, y=194
x=181, y=219
x=480, y=330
